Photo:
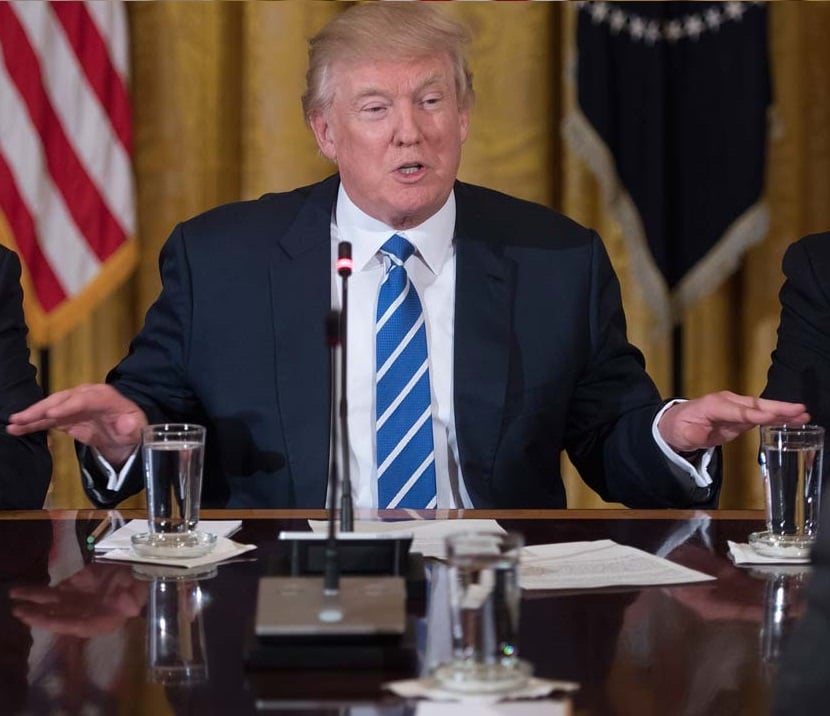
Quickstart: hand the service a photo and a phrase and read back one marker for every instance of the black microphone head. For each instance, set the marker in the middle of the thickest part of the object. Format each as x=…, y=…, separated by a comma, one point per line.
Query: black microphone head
x=333, y=328
x=344, y=263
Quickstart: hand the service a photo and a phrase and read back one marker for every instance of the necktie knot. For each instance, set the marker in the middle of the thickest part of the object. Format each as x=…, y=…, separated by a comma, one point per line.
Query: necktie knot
x=399, y=248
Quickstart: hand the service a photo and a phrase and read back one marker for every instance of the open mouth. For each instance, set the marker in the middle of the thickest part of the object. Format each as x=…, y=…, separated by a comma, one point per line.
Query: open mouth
x=408, y=169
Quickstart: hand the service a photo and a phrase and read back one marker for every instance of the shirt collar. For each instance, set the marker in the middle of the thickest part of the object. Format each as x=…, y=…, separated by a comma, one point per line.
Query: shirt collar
x=431, y=239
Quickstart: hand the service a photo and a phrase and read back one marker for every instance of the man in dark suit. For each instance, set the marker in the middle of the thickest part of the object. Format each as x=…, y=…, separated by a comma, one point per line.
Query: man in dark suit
x=25, y=463
x=500, y=343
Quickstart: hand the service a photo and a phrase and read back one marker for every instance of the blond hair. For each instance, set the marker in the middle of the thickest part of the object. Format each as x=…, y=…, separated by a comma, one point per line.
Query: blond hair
x=385, y=30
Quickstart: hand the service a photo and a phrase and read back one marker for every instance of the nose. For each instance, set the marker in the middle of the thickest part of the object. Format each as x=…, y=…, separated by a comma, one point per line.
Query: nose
x=407, y=129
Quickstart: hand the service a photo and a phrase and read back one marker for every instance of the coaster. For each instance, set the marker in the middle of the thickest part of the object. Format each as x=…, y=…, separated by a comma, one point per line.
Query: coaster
x=781, y=546
x=468, y=678
x=175, y=545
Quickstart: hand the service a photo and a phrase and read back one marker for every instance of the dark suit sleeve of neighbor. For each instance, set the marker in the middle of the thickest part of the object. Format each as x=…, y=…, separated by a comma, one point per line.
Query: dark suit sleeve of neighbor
x=800, y=369
x=25, y=463
x=609, y=437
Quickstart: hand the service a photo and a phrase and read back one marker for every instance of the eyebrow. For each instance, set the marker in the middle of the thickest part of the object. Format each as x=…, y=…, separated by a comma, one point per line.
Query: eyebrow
x=433, y=79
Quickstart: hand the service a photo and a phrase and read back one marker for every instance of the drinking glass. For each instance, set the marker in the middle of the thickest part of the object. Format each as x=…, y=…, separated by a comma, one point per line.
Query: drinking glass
x=173, y=454
x=791, y=460
x=484, y=598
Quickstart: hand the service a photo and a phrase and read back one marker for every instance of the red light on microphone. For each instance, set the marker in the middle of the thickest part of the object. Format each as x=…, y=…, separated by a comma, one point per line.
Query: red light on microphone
x=344, y=263
x=344, y=266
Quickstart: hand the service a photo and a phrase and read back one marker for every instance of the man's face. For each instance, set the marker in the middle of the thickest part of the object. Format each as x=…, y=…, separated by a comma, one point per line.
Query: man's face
x=395, y=130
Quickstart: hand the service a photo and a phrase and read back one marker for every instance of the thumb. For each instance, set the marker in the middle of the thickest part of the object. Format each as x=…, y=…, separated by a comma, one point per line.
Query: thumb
x=127, y=425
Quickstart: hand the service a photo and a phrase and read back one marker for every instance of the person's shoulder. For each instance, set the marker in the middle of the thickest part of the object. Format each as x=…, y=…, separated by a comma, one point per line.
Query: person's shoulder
x=484, y=211
x=808, y=257
x=814, y=245
x=270, y=211
x=6, y=254
x=9, y=265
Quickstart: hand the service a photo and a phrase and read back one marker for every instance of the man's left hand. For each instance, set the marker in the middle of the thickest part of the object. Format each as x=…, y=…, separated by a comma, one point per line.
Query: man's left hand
x=717, y=418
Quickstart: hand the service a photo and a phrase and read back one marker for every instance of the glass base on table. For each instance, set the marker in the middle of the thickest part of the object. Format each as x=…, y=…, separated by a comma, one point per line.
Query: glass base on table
x=471, y=678
x=175, y=545
x=768, y=544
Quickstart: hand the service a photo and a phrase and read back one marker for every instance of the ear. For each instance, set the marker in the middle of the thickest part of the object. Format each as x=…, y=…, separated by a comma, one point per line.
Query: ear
x=464, y=124
x=324, y=135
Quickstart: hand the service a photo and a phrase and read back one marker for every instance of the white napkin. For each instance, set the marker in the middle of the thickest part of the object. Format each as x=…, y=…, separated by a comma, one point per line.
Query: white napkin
x=225, y=549
x=429, y=689
x=121, y=538
x=744, y=554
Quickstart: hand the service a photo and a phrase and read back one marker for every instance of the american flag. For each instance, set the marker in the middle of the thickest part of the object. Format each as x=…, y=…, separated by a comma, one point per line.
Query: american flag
x=67, y=203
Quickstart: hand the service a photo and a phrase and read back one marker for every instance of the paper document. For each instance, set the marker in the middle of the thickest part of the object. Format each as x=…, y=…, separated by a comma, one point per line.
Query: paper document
x=601, y=563
x=427, y=535
x=120, y=539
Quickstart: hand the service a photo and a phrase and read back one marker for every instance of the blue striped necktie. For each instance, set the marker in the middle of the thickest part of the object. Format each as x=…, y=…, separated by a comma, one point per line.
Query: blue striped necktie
x=405, y=453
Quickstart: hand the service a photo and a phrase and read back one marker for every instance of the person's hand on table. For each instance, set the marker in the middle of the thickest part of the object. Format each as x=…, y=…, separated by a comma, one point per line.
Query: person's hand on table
x=96, y=415
x=96, y=600
x=717, y=418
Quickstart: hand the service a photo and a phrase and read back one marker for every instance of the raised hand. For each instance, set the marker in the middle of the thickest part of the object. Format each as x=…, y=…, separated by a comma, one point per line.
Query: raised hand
x=717, y=418
x=96, y=415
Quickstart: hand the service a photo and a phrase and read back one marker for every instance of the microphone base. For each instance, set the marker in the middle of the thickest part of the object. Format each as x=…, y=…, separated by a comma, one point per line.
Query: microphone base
x=294, y=626
x=296, y=608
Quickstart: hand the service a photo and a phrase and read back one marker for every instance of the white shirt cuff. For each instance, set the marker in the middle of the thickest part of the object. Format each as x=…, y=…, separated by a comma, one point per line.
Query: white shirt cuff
x=115, y=479
x=700, y=472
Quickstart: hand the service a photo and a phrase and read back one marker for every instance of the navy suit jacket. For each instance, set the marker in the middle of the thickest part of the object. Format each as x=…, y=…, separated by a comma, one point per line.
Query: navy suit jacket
x=25, y=463
x=541, y=361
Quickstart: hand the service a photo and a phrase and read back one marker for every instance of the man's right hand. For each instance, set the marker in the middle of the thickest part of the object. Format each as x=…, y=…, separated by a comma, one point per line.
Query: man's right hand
x=96, y=415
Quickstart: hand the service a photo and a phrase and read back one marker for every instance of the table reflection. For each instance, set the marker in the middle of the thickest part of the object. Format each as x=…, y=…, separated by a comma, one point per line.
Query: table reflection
x=176, y=646
x=76, y=615
x=79, y=636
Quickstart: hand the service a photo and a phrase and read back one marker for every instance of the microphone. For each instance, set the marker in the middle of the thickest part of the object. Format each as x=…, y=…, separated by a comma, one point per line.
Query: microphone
x=331, y=579
x=344, y=266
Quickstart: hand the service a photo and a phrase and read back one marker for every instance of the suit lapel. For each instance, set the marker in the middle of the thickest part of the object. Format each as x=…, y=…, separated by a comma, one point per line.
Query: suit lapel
x=301, y=297
x=485, y=283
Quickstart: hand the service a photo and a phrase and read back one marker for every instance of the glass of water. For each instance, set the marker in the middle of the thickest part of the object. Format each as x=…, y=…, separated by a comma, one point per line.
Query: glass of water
x=484, y=596
x=173, y=456
x=791, y=463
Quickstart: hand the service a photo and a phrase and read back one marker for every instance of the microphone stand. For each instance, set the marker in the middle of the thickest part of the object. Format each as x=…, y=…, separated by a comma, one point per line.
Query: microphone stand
x=344, y=266
x=331, y=579
x=293, y=612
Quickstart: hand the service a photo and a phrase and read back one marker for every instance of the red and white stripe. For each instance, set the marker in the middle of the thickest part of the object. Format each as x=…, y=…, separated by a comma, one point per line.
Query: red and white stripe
x=66, y=181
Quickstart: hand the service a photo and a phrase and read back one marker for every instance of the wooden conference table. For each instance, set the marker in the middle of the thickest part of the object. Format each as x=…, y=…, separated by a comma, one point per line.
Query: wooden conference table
x=80, y=636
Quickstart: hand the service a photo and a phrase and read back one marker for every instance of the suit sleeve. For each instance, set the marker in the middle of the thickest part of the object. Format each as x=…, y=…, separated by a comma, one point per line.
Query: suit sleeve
x=799, y=370
x=614, y=405
x=800, y=367
x=25, y=463
x=153, y=373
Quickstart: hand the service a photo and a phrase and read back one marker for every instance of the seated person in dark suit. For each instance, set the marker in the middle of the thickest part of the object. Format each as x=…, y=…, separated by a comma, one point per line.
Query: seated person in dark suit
x=485, y=333
x=800, y=369
x=25, y=463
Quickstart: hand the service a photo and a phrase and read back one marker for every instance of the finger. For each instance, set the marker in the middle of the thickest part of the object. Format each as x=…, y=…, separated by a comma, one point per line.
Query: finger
x=777, y=407
x=35, y=595
x=39, y=410
x=727, y=407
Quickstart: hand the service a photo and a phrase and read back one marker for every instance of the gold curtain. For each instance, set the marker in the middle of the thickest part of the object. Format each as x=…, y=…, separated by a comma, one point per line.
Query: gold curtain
x=215, y=93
